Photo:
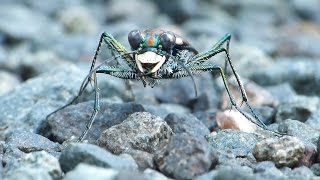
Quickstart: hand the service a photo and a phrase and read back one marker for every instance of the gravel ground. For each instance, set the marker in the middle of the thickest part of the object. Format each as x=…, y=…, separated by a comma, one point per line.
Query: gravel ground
x=165, y=132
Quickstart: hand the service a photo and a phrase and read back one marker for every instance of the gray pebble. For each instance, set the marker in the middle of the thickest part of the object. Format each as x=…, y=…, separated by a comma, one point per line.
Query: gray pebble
x=284, y=151
x=76, y=153
x=140, y=131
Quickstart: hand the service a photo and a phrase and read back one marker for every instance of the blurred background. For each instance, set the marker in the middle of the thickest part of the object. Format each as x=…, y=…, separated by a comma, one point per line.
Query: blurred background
x=271, y=40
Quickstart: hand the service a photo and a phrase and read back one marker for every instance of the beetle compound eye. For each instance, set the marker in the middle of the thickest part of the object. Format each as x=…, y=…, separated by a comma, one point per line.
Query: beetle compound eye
x=168, y=40
x=134, y=38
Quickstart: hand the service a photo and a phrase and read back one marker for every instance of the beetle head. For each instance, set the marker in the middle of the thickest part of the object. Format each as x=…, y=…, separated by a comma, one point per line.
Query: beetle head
x=152, y=46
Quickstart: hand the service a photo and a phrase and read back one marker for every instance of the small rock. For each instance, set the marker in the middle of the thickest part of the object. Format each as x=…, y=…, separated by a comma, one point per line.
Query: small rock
x=267, y=170
x=207, y=118
x=301, y=173
x=35, y=165
x=151, y=174
x=140, y=131
x=285, y=151
x=77, y=153
x=78, y=19
x=58, y=129
x=207, y=176
x=300, y=130
x=310, y=155
x=299, y=108
x=85, y=171
x=315, y=168
x=124, y=175
x=314, y=120
x=232, y=144
x=240, y=172
x=232, y=119
x=308, y=11
x=185, y=157
x=20, y=143
x=143, y=159
x=8, y=82
x=264, y=166
x=187, y=123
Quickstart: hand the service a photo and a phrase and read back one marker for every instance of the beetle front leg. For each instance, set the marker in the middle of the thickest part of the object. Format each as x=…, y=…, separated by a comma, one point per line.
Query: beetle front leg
x=117, y=50
x=96, y=109
x=113, y=71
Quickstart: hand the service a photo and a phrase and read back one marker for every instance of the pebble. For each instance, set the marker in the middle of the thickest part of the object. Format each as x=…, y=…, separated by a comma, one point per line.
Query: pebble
x=35, y=165
x=231, y=144
x=299, y=108
x=140, y=131
x=187, y=123
x=232, y=119
x=8, y=82
x=285, y=151
x=19, y=143
x=76, y=153
x=77, y=19
x=300, y=130
x=185, y=157
x=85, y=171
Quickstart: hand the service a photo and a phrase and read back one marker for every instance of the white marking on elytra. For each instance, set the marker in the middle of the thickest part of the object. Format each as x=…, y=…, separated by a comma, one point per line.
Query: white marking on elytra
x=179, y=41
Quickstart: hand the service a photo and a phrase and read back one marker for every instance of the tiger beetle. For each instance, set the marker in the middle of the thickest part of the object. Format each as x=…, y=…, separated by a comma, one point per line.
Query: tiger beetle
x=157, y=54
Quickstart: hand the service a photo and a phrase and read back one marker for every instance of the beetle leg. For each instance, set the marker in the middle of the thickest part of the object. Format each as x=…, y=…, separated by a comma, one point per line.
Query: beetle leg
x=195, y=69
x=119, y=72
x=96, y=108
x=216, y=49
